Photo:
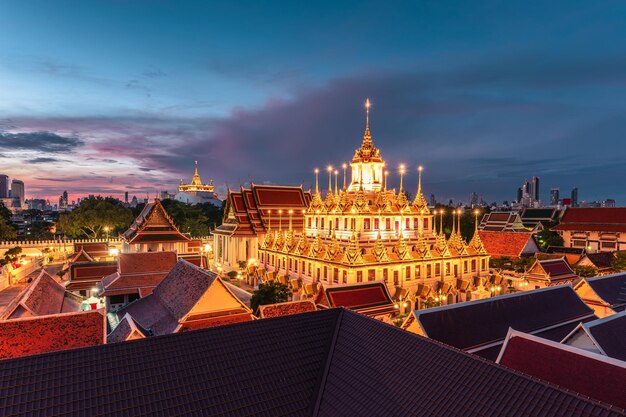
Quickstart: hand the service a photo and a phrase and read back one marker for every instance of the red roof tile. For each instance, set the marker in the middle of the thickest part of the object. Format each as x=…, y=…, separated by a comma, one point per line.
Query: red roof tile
x=31, y=336
x=587, y=373
x=286, y=309
x=141, y=263
x=369, y=298
x=511, y=244
x=610, y=219
x=153, y=225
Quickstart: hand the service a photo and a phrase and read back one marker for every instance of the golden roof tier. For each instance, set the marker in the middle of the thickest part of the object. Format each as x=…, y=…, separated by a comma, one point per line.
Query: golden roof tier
x=196, y=184
x=367, y=164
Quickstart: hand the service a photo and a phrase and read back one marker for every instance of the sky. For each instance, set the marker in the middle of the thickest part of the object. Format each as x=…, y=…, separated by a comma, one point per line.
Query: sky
x=103, y=97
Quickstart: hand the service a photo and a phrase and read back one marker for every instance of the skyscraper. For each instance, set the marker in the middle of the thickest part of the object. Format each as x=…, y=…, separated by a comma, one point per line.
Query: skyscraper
x=520, y=194
x=17, y=190
x=554, y=196
x=473, y=199
x=575, y=197
x=4, y=186
x=534, y=189
x=126, y=197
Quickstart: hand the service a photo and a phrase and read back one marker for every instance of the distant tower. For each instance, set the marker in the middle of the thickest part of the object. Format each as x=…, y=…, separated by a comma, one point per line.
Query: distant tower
x=4, y=186
x=575, y=197
x=520, y=194
x=17, y=190
x=534, y=184
x=554, y=197
x=126, y=197
x=473, y=199
x=433, y=201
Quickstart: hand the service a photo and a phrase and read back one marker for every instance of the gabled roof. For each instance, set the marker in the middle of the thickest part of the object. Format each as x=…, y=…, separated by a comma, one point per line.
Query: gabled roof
x=552, y=270
x=93, y=249
x=325, y=363
x=480, y=326
x=510, y=244
x=508, y=221
x=34, y=335
x=127, y=329
x=608, y=334
x=601, y=260
x=167, y=309
x=153, y=225
x=250, y=209
x=611, y=289
x=43, y=297
x=85, y=276
x=81, y=256
x=137, y=271
x=539, y=214
x=286, y=309
x=609, y=219
x=584, y=372
x=371, y=298
x=563, y=249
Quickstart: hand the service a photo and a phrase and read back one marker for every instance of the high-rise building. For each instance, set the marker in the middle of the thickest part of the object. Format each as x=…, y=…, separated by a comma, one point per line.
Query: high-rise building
x=433, y=201
x=554, y=197
x=126, y=197
x=534, y=189
x=520, y=194
x=473, y=199
x=4, y=186
x=575, y=197
x=17, y=190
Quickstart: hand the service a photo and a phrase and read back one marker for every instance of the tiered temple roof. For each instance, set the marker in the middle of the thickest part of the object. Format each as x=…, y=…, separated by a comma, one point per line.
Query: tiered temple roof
x=255, y=210
x=153, y=225
x=610, y=219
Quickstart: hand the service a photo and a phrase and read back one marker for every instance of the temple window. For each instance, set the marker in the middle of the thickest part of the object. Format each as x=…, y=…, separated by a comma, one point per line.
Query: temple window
x=418, y=271
x=336, y=223
x=371, y=275
x=428, y=270
x=366, y=224
x=483, y=266
x=345, y=277
x=345, y=224
x=408, y=223
x=309, y=222
x=323, y=222
x=336, y=276
x=396, y=278
x=353, y=224
x=473, y=265
x=385, y=275
x=425, y=224
x=437, y=269
x=408, y=273
x=415, y=223
x=326, y=273
x=359, y=276
x=447, y=268
x=464, y=267
x=387, y=223
x=376, y=224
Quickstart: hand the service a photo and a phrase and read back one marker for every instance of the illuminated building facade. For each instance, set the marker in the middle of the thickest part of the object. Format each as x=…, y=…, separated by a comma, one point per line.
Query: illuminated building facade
x=365, y=231
x=196, y=192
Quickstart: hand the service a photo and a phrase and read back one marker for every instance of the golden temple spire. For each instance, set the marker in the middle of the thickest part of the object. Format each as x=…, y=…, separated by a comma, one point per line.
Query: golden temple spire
x=317, y=189
x=401, y=177
x=367, y=114
x=419, y=178
x=441, y=221
x=330, y=175
x=344, y=166
x=458, y=229
x=336, y=186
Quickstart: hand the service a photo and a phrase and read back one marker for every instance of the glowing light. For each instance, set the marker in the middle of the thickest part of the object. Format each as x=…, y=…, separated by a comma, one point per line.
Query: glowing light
x=420, y=168
x=329, y=168
x=317, y=171
x=114, y=252
x=344, y=166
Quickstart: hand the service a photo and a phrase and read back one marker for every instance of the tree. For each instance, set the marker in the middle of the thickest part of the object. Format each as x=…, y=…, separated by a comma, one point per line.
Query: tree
x=619, y=263
x=522, y=264
x=91, y=217
x=269, y=293
x=187, y=218
x=585, y=271
x=7, y=230
x=547, y=238
x=11, y=255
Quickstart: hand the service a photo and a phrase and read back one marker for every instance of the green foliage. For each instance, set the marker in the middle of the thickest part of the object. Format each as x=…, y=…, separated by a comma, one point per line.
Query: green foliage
x=188, y=218
x=269, y=293
x=91, y=217
x=547, y=238
x=11, y=255
x=585, y=271
x=232, y=275
x=7, y=230
x=517, y=265
x=619, y=264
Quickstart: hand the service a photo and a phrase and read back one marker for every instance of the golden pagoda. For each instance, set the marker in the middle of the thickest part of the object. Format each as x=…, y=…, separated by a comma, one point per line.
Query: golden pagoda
x=196, y=192
x=367, y=232
x=196, y=184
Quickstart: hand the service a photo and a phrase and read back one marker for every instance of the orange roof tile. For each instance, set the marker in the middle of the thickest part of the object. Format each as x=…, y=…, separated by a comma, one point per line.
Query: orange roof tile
x=285, y=309
x=499, y=244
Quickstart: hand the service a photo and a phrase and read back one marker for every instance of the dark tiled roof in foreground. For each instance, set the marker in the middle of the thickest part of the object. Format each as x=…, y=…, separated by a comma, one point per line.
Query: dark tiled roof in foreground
x=325, y=363
x=610, y=288
x=474, y=325
x=588, y=373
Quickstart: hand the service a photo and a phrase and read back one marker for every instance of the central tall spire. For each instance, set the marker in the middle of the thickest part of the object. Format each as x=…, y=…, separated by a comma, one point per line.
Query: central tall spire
x=367, y=164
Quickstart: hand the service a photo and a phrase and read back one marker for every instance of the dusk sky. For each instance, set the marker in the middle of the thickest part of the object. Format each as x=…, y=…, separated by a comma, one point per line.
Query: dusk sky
x=103, y=97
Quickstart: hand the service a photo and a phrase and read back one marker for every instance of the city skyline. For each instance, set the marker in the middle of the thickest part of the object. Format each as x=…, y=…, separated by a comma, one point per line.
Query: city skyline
x=141, y=95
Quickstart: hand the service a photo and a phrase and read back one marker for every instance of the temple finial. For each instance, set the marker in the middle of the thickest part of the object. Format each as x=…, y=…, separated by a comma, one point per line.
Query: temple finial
x=419, y=179
x=367, y=113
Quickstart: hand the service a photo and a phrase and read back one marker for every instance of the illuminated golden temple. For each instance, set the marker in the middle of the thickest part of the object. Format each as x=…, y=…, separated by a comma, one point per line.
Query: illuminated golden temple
x=365, y=231
x=196, y=192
